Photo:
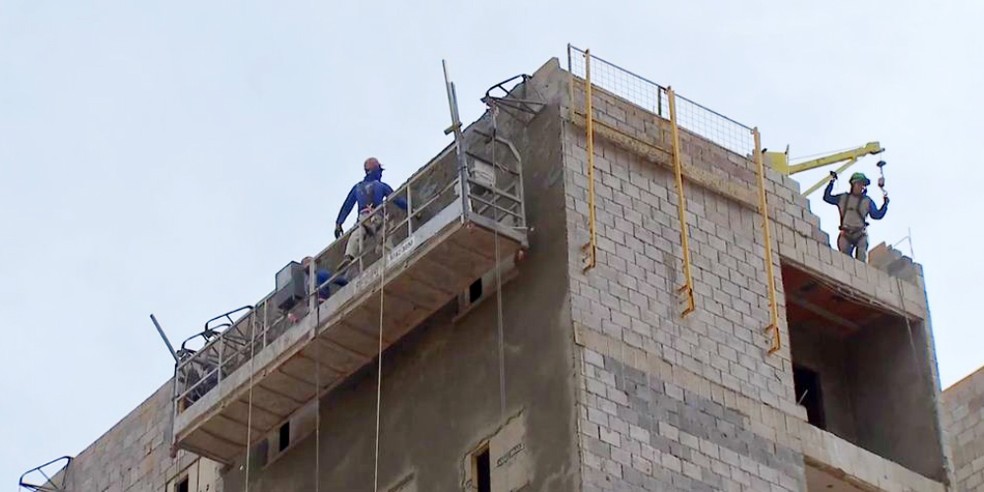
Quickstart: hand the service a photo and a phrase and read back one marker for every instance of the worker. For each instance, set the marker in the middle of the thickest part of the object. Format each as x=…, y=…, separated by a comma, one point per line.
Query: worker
x=321, y=279
x=369, y=194
x=855, y=207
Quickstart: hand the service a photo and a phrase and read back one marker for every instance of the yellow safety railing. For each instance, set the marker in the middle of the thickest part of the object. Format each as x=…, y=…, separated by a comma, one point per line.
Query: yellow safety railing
x=685, y=115
x=688, y=287
x=766, y=231
x=591, y=248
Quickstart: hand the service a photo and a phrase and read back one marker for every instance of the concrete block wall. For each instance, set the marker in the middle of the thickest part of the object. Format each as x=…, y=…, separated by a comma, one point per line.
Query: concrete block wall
x=963, y=419
x=134, y=455
x=697, y=403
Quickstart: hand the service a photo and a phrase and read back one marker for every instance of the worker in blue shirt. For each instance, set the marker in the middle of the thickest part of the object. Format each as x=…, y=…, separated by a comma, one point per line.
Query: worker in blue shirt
x=321, y=278
x=855, y=207
x=369, y=194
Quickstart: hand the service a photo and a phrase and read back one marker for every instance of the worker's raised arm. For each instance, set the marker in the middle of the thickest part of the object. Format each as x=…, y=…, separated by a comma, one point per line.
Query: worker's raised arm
x=398, y=200
x=346, y=208
x=877, y=213
x=828, y=196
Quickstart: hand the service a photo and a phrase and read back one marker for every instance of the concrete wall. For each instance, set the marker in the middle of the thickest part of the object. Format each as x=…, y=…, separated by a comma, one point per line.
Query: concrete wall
x=134, y=455
x=440, y=390
x=894, y=400
x=697, y=403
x=829, y=356
x=963, y=419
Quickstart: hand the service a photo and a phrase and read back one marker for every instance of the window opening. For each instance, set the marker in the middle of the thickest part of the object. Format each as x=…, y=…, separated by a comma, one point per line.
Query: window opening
x=284, y=436
x=483, y=468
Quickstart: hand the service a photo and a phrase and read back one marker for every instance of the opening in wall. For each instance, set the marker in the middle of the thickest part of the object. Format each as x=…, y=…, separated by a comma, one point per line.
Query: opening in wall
x=483, y=470
x=860, y=371
x=484, y=287
x=182, y=485
x=808, y=394
x=284, y=437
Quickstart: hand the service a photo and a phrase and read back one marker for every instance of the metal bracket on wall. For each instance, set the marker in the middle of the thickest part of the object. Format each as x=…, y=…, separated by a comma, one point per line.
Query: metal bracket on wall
x=688, y=287
x=766, y=231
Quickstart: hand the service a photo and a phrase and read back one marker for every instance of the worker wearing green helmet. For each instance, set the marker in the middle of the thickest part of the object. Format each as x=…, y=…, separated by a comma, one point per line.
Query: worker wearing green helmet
x=855, y=207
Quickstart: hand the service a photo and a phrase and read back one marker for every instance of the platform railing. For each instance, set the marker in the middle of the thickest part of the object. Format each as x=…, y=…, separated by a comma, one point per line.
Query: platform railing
x=493, y=195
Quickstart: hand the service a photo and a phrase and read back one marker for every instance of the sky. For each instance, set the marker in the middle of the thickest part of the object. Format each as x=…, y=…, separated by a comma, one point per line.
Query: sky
x=170, y=157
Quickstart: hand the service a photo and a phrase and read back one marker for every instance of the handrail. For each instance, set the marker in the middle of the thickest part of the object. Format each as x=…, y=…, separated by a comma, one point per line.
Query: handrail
x=688, y=286
x=48, y=480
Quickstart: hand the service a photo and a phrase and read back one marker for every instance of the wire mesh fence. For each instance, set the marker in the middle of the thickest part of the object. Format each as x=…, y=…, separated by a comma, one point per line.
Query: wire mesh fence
x=654, y=98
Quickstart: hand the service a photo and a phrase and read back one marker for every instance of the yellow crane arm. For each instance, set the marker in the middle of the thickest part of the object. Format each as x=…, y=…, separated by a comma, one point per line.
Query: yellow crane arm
x=780, y=161
x=870, y=148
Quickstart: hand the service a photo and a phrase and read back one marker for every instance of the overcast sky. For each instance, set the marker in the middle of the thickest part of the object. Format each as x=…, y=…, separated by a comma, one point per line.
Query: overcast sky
x=169, y=157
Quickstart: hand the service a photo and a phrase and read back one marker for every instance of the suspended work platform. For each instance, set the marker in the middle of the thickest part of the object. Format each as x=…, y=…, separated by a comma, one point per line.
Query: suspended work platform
x=459, y=220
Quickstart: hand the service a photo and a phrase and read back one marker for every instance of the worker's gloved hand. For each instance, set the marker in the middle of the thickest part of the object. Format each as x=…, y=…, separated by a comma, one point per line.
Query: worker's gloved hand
x=886, y=199
x=881, y=182
x=338, y=231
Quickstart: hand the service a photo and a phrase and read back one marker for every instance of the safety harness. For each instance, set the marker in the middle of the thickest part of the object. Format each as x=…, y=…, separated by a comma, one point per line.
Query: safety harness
x=366, y=189
x=853, y=233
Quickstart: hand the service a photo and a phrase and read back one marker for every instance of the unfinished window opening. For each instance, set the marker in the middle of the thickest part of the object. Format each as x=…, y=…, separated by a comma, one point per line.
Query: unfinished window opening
x=860, y=373
x=284, y=439
x=483, y=470
x=484, y=287
x=808, y=394
x=182, y=485
x=475, y=291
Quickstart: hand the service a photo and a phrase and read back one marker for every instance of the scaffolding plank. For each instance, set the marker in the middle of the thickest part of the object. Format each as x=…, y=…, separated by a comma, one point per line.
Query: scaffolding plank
x=302, y=367
x=297, y=389
x=259, y=418
x=273, y=402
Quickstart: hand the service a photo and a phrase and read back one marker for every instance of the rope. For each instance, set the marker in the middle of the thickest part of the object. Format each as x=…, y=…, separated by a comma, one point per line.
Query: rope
x=498, y=273
x=317, y=392
x=379, y=366
x=249, y=404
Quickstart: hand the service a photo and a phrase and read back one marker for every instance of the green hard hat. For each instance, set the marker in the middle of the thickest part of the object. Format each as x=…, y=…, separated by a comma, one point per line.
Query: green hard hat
x=860, y=177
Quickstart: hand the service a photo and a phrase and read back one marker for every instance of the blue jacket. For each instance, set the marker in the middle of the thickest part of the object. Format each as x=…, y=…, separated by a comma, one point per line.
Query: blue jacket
x=321, y=276
x=875, y=212
x=368, y=193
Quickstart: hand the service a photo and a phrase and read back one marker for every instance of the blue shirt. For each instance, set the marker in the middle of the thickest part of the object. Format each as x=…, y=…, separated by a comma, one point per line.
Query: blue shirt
x=875, y=212
x=321, y=276
x=368, y=193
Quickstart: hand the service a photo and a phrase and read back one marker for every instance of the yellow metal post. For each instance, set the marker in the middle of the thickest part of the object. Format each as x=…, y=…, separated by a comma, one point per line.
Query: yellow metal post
x=592, y=246
x=766, y=230
x=688, y=287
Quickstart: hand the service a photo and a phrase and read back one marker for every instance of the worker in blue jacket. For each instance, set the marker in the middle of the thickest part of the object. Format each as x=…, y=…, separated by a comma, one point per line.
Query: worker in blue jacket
x=855, y=207
x=369, y=194
x=321, y=278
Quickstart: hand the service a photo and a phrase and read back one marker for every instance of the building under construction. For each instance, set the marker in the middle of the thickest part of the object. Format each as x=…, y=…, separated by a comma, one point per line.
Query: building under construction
x=601, y=286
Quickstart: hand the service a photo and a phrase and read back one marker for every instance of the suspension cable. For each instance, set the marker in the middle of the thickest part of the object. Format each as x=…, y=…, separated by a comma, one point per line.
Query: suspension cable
x=498, y=273
x=379, y=355
x=249, y=403
x=317, y=397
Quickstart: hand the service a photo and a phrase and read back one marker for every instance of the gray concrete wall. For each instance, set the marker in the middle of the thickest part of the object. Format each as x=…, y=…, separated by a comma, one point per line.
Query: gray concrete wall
x=829, y=357
x=440, y=390
x=894, y=399
x=963, y=419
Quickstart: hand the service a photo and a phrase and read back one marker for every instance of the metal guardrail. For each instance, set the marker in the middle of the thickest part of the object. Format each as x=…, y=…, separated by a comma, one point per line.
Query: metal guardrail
x=695, y=118
x=493, y=192
x=652, y=97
